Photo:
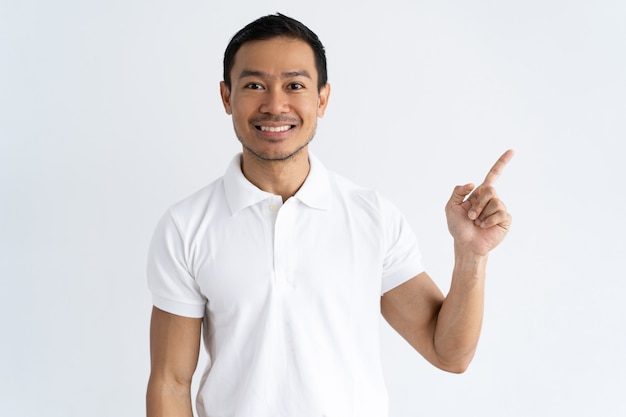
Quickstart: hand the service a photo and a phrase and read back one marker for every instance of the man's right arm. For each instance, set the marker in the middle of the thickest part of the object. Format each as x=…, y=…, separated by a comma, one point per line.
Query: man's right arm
x=174, y=349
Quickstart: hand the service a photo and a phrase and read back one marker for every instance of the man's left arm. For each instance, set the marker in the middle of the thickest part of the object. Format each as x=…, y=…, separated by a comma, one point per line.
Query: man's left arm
x=445, y=330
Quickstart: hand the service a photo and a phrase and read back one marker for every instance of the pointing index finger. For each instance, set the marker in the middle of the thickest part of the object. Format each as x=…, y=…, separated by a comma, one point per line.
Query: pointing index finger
x=497, y=168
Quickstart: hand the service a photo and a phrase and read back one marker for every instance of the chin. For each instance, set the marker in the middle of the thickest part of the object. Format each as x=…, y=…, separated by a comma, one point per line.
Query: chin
x=277, y=156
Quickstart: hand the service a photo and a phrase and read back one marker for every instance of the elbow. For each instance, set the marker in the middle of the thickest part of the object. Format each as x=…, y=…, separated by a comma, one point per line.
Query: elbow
x=456, y=365
x=454, y=358
x=456, y=368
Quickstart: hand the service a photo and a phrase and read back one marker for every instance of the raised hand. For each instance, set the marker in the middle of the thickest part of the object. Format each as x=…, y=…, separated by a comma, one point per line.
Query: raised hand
x=477, y=218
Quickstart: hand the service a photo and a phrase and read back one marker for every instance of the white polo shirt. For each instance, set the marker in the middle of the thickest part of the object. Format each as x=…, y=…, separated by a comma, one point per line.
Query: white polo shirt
x=290, y=293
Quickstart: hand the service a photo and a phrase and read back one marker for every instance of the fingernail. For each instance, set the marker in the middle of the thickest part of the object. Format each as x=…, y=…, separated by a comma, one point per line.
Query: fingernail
x=472, y=215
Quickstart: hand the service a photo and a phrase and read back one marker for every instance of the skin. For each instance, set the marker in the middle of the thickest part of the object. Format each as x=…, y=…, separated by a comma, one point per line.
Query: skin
x=445, y=330
x=174, y=350
x=274, y=87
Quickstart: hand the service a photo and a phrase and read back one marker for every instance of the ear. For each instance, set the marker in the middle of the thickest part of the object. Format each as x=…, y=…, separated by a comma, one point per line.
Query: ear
x=322, y=100
x=225, y=93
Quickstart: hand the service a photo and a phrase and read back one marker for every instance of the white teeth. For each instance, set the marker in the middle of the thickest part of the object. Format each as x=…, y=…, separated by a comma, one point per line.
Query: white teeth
x=275, y=129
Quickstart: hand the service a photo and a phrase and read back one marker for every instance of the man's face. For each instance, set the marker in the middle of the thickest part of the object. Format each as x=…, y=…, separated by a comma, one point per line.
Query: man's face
x=274, y=100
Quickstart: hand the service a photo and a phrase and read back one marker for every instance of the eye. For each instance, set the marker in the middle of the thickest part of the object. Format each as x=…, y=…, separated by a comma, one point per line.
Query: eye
x=253, y=86
x=295, y=86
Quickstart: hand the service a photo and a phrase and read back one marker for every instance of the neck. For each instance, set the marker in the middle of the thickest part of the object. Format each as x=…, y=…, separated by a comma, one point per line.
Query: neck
x=283, y=177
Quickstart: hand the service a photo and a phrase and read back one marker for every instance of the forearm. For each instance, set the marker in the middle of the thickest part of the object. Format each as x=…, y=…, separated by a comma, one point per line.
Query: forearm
x=165, y=399
x=460, y=318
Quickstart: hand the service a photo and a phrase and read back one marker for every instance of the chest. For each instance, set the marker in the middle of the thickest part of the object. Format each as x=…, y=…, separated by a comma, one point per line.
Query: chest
x=316, y=257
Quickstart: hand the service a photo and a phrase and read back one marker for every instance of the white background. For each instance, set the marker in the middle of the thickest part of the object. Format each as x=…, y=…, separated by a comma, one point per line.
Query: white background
x=109, y=113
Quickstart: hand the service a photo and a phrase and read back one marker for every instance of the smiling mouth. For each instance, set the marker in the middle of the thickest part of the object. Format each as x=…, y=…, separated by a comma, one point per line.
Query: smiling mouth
x=274, y=129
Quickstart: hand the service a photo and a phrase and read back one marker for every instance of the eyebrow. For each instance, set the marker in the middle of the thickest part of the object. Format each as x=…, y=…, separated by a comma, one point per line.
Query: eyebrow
x=289, y=74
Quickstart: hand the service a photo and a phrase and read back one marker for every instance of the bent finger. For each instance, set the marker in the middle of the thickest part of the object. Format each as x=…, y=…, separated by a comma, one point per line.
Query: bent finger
x=479, y=200
x=492, y=207
x=460, y=192
x=499, y=218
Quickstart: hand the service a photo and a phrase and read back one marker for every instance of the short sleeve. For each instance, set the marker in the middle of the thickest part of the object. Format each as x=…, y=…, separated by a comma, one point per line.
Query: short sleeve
x=173, y=287
x=403, y=258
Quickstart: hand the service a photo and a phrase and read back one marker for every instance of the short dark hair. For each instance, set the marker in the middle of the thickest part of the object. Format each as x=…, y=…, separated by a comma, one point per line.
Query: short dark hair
x=273, y=26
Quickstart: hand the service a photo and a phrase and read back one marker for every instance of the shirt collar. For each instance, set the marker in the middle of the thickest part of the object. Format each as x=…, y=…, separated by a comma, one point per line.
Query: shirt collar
x=315, y=192
x=241, y=193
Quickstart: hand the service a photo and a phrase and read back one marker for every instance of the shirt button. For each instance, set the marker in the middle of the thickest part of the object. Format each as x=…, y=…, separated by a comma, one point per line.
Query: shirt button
x=273, y=207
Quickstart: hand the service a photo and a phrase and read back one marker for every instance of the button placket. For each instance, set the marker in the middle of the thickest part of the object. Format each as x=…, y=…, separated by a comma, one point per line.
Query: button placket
x=283, y=228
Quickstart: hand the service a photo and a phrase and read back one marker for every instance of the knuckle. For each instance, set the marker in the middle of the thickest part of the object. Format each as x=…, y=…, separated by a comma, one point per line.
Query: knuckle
x=489, y=190
x=499, y=205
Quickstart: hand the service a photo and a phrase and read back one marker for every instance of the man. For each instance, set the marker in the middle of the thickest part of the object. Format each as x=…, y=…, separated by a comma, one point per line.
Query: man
x=286, y=266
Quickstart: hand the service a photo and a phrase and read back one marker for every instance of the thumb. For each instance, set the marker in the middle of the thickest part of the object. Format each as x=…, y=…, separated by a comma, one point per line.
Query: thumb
x=460, y=192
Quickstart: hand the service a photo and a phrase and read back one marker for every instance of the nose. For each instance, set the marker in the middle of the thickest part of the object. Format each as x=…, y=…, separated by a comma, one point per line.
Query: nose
x=275, y=101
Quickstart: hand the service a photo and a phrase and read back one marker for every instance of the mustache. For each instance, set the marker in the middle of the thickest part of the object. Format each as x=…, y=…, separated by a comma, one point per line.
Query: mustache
x=275, y=119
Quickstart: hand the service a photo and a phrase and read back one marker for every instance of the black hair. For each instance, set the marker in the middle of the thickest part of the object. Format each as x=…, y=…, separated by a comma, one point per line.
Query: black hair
x=273, y=26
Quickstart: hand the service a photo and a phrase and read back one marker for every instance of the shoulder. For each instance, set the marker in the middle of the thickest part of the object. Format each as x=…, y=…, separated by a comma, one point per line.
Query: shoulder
x=199, y=199
x=209, y=197
x=357, y=195
x=187, y=214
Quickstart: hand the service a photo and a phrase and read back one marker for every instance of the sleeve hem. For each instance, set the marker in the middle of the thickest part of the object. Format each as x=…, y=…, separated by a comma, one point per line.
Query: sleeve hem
x=178, y=308
x=400, y=276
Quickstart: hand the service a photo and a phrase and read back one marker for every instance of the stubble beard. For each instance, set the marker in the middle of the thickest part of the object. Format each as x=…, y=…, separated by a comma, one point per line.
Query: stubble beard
x=274, y=158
